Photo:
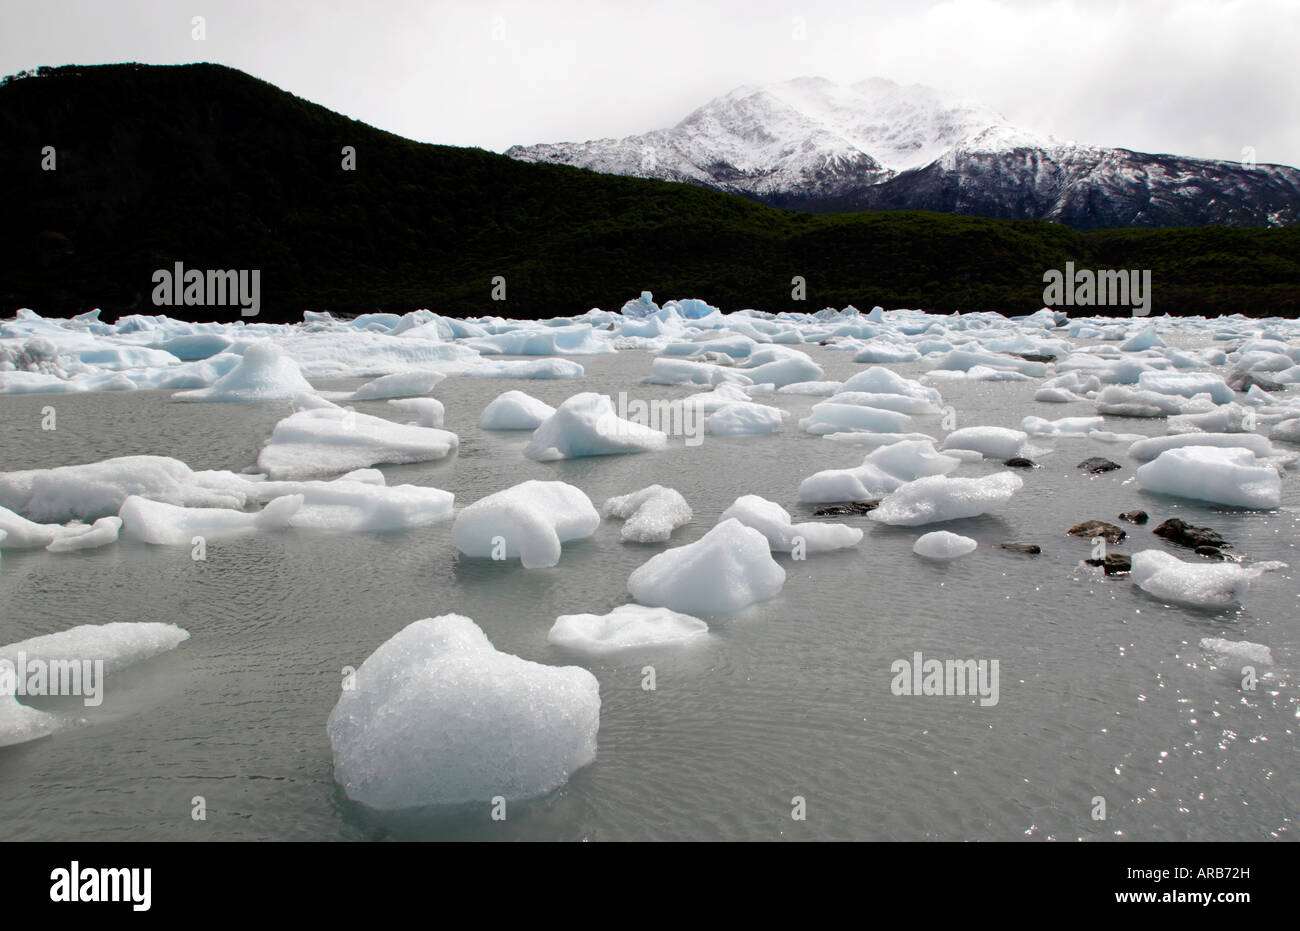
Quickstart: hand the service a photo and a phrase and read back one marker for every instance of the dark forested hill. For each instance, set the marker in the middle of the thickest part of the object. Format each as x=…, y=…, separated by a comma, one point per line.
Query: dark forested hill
x=207, y=166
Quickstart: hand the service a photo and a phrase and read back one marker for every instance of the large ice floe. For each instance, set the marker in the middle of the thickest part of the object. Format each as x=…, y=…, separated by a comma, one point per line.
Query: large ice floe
x=528, y=522
x=264, y=373
x=115, y=645
x=97, y=489
x=939, y=498
x=515, y=410
x=169, y=525
x=439, y=716
x=1231, y=476
x=729, y=568
x=884, y=469
x=1204, y=584
x=587, y=425
x=358, y=501
x=649, y=515
x=330, y=440
x=784, y=536
x=627, y=627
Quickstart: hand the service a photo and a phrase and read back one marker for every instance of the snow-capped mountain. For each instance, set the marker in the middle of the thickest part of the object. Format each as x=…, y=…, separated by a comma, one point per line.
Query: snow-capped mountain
x=815, y=145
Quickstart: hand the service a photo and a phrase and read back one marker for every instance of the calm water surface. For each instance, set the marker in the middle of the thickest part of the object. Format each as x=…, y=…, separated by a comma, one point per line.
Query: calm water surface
x=1103, y=689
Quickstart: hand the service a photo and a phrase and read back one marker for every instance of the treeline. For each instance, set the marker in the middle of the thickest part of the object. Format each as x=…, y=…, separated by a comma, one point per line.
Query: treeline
x=109, y=173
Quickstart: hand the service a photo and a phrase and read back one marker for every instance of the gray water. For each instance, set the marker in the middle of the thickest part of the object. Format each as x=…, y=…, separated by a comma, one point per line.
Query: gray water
x=1103, y=689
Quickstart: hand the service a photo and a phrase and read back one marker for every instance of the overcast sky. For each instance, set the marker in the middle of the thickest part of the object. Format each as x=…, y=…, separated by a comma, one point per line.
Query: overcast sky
x=1192, y=77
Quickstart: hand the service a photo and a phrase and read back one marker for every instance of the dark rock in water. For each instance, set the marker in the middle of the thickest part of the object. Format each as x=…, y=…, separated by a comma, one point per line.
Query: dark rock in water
x=1185, y=534
x=1134, y=517
x=842, y=510
x=1212, y=552
x=1020, y=462
x=1243, y=381
x=1098, y=528
x=1113, y=564
x=1097, y=465
x=1035, y=356
x=1032, y=549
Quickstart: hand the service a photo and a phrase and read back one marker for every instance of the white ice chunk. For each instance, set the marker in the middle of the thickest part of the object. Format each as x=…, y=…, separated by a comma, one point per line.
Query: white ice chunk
x=264, y=374
x=943, y=544
x=882, y=471
x=97, y=489
x=528, y=522
x=587, y=425
x=993, y=442
x=1230, y=476
x=515, y=410
x=102, y=533
x=428, y=412
x=169, y=525
x=783, y=536
x=627, y=627
x=398, y=385
x=1206, y=584
x=359, y=502
x=745, y=419
x=651, y=514
x=440, y=716
x=729, y=568
x=940, y=498
x=330, y=440
x=1238, y=651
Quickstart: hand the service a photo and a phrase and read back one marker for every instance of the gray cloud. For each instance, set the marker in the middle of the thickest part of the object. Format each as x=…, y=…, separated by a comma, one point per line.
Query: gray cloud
x=1187, y=76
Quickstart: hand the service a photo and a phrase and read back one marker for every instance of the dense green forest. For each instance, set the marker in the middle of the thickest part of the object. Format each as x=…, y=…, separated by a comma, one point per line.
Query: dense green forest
x=205, y=165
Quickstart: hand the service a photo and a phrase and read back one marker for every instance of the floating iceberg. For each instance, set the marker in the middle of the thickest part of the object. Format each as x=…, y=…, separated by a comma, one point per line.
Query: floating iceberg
x=359, y=501
x=627, y=627
x=1204, y=584
x=783, y=536
x=1231, y=476
x=587, y=425
x=729, y=568
x=397, y=385
x=440, y=716
x=940, y=498
x=325, y=441
x=744, y=419
x=992, y=442
x=883, y=470
x=117, y=645
x=651, y=514
x=97, y=489
x=169, y=525
x=102, y=533
x=943, y=544
x=527, y=522
x=428, y=412
x=515, y=410
x=264, y=374
x=1239, y=651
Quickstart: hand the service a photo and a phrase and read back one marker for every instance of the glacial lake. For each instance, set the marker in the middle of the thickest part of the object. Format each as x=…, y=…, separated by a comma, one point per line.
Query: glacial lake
x=1104, y=691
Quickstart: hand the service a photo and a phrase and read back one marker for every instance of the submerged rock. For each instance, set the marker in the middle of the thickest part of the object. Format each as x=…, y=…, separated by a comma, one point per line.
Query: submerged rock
x=1020, y=462
x=1097, y=464
x=1244, y=381
x=852, y=507
x=1135, y=517
x=1098, y=528
x=1030, y=549
x=1179, y=531
x=1113, y=564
